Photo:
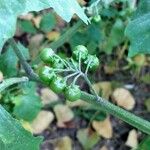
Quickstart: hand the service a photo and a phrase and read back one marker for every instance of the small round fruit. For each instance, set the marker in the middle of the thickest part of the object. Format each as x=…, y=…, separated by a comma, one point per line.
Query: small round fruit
x=96, y=18
x=94, y=62
x=80, y=50
x=47, y=55
x=72, y=93
x=58, y=84
x=57, y=64
x=46, y=74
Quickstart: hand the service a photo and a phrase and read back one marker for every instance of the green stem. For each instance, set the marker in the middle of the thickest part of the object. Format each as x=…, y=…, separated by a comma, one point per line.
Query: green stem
x=66, y=36
x=80, y=61
x=23, y=61
x=87, y=68
x=8, y=82
x=89, y=84
x=63, y=70
x=114, y=110
x=73, y=63
x=71, y=75
x=64, y=63
x=76, y=78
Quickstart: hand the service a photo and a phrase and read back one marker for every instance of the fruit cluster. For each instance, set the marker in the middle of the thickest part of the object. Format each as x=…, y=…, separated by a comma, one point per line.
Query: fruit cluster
x=54, y=65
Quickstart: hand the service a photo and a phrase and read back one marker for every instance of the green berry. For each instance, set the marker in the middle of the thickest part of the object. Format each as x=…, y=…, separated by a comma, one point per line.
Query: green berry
x=96, y=18
x=93, y=60
x=46, y=74
x=57, y=63
x=47, y=55
x=58, y=84
x=80, y=50
x=72, y=93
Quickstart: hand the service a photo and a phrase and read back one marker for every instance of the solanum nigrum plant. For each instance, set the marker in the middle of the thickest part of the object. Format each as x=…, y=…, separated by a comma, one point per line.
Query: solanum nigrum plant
x=54, y=67
x=110, y=23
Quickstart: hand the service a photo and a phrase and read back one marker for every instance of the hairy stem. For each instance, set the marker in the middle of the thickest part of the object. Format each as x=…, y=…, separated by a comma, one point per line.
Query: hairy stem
x=120, y=113
x=29, y=71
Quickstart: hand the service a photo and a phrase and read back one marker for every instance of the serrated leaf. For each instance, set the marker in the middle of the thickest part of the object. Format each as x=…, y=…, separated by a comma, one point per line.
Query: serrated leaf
x=10, y=10
x=13, y=136
x=138, y=30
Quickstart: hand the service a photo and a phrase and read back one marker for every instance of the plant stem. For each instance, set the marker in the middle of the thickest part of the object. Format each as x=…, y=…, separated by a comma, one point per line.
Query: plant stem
x=87, y=68
x=8, y=82
x=76, y=78
x=29, y=71
x=70, y=75
x=97, y=101
x=114, y=110
x=89, y=84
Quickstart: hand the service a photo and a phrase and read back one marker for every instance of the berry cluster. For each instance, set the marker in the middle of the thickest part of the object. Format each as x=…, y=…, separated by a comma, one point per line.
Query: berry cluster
x=54, y=65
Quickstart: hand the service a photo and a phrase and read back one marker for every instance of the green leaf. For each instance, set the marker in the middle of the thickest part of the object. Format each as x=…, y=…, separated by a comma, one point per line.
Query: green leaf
x=27, y=26
x=8, y=63
x=144, y=145
x=28, y=105
x=146, y=78
x=116, y=36
x=138, y=30
x=48, y=22
x=13, y=136
x=9, y=60
x=90, y=113
x=87, y=138
x=10, y=10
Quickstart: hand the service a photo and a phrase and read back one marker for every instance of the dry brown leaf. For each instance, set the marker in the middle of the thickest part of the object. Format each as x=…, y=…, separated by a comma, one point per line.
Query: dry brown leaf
x=103, y=88
x=26, y=125
x=123, y=98
x=63, y=114
x=37, y=20
x=34, y=44
x=53, y=35
x=1, y=76
x=64, y=143
x=82, y=2
x=28, y=16
x=132, y=140
x=104, y=148
x=42, y=121
x=48, y=96
x=103, y=128
x=78, y=103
